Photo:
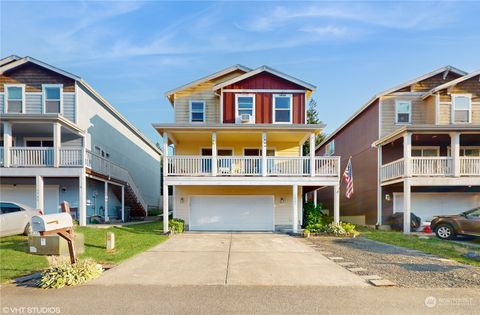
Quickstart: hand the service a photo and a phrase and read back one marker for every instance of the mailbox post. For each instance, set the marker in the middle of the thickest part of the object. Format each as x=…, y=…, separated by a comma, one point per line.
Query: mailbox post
x=60, y=224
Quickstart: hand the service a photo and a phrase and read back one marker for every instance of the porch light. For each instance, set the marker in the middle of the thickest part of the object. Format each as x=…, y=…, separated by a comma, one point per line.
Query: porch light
x=282, y=200
x=182, y=200
x=388, y=197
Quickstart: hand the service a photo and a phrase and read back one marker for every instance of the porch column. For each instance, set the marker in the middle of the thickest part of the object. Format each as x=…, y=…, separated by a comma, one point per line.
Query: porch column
x=82, y=198
x=407, y=153
x=336, y=204
x=123, y=203
x=295, y=209
x=7, y=142
x=455, y=149
x=315, y=198
x=39, y=193
x=165, y=155
x=312, y=154
x=106, y=202
x=57, y=142
x=407, y=206
x=379, y=184
x=165, y=208
x=214, y=153
x=264, y=153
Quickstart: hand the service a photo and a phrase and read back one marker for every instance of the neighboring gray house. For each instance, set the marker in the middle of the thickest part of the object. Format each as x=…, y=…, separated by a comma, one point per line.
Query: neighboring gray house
x=62, y=141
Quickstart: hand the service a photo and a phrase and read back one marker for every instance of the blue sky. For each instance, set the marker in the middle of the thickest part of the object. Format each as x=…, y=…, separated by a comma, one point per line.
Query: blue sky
x=132, y=52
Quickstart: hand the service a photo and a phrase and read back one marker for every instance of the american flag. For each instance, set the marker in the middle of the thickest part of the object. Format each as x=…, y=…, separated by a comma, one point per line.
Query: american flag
x=348, y=177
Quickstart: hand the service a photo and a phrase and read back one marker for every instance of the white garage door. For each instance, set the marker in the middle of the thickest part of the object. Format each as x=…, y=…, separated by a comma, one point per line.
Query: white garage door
x=26, y=194
x=427, y=205
x=231, y=213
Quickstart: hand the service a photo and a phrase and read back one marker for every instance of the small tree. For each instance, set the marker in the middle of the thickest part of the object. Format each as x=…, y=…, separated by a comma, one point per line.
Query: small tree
x=312, y=118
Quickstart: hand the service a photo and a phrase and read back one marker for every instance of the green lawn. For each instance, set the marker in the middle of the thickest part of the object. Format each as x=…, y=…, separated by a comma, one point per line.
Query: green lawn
x=130, y=240
x=431, y=245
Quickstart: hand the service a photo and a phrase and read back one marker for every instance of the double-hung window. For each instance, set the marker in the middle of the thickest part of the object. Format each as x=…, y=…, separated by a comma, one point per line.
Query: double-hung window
x=52, y=98
x=461, y=108
x=197, y=111
x=245, y=107
x=282, y=108
x=15, y=98
x=403, y=112
x=330, y=148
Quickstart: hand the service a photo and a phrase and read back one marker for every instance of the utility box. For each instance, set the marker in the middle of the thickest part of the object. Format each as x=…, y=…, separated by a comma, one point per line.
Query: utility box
x=51, y=222
x=54, y=245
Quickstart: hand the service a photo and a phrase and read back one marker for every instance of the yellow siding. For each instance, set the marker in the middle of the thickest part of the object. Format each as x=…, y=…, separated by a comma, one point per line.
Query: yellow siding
x=202, y=92
x=194, y=148
x=283, y=211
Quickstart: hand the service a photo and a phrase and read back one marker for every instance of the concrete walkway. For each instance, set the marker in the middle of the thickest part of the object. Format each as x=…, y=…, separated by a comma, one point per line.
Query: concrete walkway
x=231, y=259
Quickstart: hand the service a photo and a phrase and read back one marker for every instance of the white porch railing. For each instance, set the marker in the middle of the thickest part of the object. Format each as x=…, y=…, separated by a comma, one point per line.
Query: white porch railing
x=392, y=170
x=71, y=156
x=187, y=165
x=101, y=165
x=469, y=166
x=31, y=157
x=431, y=166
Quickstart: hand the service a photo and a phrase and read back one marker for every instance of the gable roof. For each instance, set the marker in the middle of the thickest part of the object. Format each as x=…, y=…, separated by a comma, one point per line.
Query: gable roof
x=16, y=61
x=452, y=83
x=8, y=59
x=209, y=77
x=277, y=73
x=386, y=92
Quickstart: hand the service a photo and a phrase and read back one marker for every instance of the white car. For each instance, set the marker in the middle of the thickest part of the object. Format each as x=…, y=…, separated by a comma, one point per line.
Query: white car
x=15, y=218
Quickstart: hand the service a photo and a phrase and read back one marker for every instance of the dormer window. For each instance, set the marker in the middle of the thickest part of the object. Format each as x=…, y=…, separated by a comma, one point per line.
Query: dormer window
x=245, y=108
x=52, y=98
x=15, y=98
x=461, y=108
x=197, y=111
x=282, y=108
x=403, y=112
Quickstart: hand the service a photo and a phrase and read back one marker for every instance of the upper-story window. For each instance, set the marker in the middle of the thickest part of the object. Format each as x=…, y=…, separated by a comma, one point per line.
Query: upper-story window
x=282, y=108
x=15, y=98
x=403, y=112
x=330, y=148
x=52, y=98
x=245, y=108
x=461, y=108
x=197, y=111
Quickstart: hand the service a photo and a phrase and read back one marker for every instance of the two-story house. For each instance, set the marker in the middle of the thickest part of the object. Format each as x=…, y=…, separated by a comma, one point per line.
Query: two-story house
x=237, y=159
x=62, y=141
x=415, y=148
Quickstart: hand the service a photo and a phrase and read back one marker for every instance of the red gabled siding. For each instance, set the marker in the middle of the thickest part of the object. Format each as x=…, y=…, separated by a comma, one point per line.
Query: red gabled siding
x=265, y=80
x=263, y=107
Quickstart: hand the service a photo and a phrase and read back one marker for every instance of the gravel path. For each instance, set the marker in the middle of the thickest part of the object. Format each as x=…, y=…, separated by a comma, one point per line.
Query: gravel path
x=405, y=267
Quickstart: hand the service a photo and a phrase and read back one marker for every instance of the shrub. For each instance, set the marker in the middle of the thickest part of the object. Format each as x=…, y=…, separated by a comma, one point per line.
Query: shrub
x=154, y=213
x=176, y=225
x=313, y=215
x=62, y=273
x=335, y=229
x=349, y=228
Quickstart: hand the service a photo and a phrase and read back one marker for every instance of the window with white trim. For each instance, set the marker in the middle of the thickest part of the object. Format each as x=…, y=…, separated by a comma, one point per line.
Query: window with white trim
x=282, y=108
x=52, y=98
x=330, y=148
x=403, y=112
x=197, y=111
x=101, y=152
x=37, y=142
x=15, y=98
x=425, y=151
x=245, y=105
x=461, y=108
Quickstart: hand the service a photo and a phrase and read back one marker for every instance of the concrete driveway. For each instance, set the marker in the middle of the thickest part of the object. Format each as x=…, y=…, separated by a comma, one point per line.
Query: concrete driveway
x=231, y=259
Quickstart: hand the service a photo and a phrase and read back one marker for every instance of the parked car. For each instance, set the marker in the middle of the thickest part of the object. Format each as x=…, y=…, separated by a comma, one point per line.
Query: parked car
x=15, y=218
x=449, y=226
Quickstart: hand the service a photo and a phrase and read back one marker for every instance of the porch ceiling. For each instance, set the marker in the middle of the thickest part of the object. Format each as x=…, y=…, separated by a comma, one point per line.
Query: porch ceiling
x=18, y=120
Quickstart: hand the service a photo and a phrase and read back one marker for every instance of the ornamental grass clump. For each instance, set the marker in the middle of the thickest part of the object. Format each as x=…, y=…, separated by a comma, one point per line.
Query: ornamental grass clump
x=62, y=273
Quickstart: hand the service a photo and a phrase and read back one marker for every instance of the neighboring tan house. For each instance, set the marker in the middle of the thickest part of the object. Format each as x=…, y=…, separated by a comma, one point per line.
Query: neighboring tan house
x=237, y=151
x=415, y=148
x=61, y=141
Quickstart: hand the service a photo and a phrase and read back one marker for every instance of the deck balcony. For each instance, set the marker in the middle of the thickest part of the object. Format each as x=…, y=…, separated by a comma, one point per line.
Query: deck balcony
x=431, y=155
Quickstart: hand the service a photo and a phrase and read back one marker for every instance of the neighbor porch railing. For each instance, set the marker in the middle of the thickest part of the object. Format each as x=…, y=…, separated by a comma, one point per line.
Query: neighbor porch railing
x=31, y=157
x=187, y=165
x=469, y=166
x=431, y=166
x=392, y=170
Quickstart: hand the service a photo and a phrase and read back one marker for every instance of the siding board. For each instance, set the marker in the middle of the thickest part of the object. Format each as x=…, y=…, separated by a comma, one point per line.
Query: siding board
x=69, y=106
x=33, y=103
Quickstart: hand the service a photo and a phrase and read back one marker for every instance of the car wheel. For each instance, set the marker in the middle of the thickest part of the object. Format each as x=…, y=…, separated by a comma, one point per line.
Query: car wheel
x=445, y=232
x=28, y=229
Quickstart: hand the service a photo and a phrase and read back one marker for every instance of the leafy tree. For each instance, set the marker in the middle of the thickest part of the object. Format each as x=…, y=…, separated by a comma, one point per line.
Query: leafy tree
x=312, y=118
